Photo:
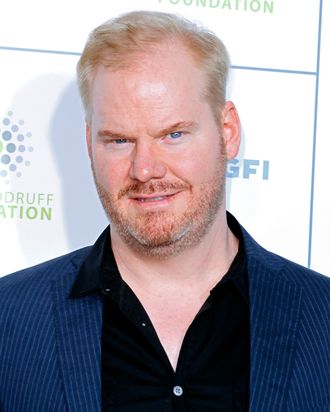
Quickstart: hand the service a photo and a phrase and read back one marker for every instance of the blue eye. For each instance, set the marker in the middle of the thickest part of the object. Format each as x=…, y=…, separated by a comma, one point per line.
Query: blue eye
x=175, y=135
x=119, y=141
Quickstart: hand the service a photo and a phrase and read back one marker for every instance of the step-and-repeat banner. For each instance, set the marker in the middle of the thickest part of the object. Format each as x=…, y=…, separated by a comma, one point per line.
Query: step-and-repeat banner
x=278, y=186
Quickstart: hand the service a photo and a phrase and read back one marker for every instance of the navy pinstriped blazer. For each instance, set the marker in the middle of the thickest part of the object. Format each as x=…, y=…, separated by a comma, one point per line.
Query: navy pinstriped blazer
x=50, y=345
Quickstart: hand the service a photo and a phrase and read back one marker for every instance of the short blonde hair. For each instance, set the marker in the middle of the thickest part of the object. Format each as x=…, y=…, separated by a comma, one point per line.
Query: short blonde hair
x=116, y=43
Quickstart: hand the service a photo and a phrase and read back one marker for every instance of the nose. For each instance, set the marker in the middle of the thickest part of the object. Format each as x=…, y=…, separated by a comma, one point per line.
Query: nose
x=146, y=164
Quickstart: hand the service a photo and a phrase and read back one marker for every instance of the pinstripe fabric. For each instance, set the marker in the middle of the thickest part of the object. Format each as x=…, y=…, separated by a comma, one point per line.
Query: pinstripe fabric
x=49, y=355
x=290, y=334
x=50, y=345
x=78, y=326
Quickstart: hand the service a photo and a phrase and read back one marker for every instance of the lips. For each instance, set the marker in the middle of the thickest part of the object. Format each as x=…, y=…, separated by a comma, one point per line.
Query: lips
x=155, y=198
x=151, y=199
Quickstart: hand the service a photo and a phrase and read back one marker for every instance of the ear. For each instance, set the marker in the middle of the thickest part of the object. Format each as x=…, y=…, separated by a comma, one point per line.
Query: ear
x=89, y=140
x=231, y=129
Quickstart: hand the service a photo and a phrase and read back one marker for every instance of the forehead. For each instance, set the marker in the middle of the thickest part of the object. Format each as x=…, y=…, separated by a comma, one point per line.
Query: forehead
x=162, y=88
x=166, y=75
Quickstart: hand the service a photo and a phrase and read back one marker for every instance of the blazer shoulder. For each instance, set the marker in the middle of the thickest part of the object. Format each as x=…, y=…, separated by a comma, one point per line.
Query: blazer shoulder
x=312, y=282
x=36, y=278
x=301, y=275
x=309, y=280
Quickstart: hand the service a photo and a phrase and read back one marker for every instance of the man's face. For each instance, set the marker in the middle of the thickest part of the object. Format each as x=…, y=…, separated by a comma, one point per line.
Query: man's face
x=157, y=153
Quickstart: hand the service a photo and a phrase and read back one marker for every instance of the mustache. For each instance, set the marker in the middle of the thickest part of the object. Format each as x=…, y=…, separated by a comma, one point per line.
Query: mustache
x=152, y=187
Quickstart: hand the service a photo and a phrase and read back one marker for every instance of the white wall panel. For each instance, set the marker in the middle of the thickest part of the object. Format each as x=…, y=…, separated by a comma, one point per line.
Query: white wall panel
x=271, y=194
x=320, y=245
x=52, y=206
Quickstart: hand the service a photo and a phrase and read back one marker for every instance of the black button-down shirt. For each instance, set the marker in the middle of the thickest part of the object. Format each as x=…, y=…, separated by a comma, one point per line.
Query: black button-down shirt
x=212, y=373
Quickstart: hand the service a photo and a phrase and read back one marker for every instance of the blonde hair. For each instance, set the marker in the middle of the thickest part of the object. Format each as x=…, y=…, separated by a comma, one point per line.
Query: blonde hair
x=117, y=42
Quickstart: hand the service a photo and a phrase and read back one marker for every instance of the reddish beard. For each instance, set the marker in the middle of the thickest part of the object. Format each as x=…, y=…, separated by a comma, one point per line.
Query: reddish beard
x=162, y=234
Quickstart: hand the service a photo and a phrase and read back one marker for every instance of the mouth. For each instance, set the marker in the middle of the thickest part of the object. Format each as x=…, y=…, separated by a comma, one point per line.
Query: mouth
x=154, y=198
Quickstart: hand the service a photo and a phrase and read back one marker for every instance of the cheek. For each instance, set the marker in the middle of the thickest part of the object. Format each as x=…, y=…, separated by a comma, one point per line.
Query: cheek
x=199, y=164
x=111, y=174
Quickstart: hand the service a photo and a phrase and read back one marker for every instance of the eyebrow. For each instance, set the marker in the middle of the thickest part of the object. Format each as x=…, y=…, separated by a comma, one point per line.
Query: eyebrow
x=176, y=126
x=109, y=133
x=179, y=126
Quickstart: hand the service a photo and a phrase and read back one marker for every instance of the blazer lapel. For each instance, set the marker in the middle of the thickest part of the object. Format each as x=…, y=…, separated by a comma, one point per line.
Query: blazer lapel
x=78, y=326
x=274, y=314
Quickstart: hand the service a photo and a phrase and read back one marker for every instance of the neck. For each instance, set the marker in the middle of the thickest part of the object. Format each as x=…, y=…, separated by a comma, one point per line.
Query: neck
x=199, y=267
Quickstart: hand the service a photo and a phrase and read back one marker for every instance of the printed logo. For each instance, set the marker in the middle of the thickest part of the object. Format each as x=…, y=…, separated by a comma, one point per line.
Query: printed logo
x=26, y=206
x=248, y=168
x=254, y=6
x=15, y=147
x=15, y=154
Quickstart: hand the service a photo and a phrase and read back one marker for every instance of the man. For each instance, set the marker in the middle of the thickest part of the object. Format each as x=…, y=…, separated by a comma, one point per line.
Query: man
x=175, y=307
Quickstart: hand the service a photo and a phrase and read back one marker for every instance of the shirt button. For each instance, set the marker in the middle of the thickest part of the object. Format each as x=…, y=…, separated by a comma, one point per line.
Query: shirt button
x=177, y=390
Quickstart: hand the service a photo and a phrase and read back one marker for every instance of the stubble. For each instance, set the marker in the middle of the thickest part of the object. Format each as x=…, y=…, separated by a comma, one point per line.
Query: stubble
x=164, y=234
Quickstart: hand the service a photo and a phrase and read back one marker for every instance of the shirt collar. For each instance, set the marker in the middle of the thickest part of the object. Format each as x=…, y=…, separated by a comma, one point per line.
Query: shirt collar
x=237, y=273
x=100, y=266
x=90, y=274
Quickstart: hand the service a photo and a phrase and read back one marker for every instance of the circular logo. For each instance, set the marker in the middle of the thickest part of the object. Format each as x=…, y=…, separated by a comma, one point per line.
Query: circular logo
x=15, y=147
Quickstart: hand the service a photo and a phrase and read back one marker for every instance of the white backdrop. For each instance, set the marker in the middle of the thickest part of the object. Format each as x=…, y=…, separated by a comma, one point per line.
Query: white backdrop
x=278, y=187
